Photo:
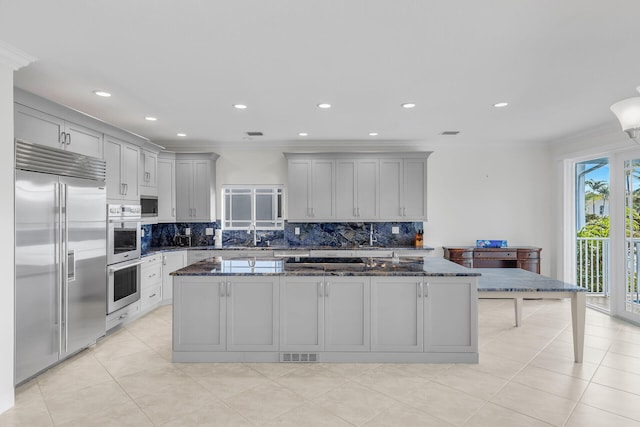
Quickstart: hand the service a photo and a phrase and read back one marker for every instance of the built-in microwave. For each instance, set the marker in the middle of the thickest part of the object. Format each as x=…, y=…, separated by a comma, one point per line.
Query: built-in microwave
x=149, y=206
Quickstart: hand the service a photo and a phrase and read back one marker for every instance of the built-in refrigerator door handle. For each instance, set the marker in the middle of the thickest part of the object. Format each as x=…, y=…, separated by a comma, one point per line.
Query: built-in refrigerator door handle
x=59, y=262
x=71, y=265
x=65, y=275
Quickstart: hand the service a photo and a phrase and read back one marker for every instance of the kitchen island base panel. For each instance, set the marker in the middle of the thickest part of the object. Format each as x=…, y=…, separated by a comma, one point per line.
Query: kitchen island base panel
x=323, y=357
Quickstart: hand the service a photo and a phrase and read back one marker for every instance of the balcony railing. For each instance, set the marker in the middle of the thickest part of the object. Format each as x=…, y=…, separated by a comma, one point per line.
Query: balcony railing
x=593, y=264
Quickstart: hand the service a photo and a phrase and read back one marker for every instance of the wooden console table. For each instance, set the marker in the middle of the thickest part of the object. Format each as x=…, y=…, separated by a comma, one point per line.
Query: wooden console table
x=524, y=257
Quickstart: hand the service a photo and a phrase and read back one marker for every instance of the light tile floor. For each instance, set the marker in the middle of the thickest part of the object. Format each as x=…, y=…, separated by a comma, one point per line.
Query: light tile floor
x=526, y=377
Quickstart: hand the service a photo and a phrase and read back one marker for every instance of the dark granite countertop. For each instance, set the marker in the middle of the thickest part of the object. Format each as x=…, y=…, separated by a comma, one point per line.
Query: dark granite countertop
x=155, y=249
x=246, y=266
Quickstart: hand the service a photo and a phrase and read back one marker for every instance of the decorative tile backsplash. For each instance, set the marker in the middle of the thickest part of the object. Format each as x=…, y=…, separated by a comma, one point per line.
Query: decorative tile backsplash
x=340, y=234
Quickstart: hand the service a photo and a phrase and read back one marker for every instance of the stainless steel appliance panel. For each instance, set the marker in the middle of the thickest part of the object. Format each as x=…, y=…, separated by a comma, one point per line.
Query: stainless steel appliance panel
x=124, y=281
x=86, y=290
x=38, y=273
x=60, y=282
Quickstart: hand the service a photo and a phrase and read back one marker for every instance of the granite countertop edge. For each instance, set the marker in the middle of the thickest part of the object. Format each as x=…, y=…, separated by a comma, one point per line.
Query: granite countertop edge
x=411, y=267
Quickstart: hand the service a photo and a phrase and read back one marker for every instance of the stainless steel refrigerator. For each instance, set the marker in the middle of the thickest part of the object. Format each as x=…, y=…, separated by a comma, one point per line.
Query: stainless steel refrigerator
x=60, y=253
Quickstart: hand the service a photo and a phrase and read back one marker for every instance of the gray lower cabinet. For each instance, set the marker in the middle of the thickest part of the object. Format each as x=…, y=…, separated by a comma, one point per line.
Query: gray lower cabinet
x=346, y=313
x=252, y=313
x=171, y=261
x=450, y=315
x=302, y=314
x=412, y=314
x=324, y=314
x=374, y=319
x=199, y=314
x=239, y=314
x=396, y=314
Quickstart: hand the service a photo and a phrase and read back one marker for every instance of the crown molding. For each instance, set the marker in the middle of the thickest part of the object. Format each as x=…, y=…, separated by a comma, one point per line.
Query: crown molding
x=13, y=57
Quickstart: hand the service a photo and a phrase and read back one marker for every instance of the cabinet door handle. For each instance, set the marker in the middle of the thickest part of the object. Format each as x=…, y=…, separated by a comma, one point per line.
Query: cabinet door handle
x=320, y=290
x=355, y=212
x=152, y=295
x=126, y=189
x=173, y=212
x=67, y=138
x=426, y=290
x=222, y=291
x=228, y=289
x=195, y=212
x=61, y=137
x=121, y=188
x=326, y=289
x=164, y=260
x=419, y=290
x=358, y=211
x=404, y=211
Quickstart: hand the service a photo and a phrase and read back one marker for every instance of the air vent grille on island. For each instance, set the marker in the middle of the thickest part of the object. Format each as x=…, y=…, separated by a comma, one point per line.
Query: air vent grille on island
x=298, y=357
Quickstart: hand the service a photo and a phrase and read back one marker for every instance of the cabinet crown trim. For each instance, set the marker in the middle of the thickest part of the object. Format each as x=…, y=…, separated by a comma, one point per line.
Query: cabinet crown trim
x=360, y=155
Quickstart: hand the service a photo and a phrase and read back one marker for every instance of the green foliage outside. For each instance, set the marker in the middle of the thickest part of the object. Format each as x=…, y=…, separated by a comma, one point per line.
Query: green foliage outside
x=594, y=250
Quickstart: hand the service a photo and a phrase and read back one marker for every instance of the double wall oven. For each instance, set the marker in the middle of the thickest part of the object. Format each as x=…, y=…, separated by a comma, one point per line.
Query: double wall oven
x=123, y=256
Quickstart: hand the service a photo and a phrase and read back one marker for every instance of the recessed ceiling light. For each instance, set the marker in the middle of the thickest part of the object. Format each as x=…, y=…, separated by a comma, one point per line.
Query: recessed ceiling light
x=102, y=93
x=408, y=105
x=240, y=106
x=324, y=105
x=181, y=134
x=373, y=133
x=303, y=134
x=151, y=119
x=500, y=104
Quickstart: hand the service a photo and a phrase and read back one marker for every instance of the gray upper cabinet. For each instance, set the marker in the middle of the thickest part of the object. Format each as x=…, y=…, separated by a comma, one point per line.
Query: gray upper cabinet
x=195, y=187
x=41, y=128
x=166, y=188
x=122, y=170
x=148, y=173
x=403, y=189
x=357, y=189
x=357, y=186
x=311, y=189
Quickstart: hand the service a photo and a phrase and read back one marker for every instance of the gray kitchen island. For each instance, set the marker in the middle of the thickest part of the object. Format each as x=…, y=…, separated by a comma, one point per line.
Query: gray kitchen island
x=408, y=310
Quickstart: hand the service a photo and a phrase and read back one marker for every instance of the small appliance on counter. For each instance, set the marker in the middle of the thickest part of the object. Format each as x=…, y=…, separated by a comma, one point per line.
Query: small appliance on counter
x=182, y=240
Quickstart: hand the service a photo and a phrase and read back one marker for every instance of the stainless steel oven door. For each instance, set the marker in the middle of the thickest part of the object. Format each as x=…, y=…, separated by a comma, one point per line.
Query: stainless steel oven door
x=123, y=241
x=123, y=284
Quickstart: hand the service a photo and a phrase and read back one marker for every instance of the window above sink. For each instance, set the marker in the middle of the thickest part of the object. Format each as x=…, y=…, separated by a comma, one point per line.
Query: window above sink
x=258, y=207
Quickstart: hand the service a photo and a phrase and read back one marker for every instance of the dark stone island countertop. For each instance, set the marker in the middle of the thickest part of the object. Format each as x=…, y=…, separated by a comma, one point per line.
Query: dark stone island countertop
x=247, y=266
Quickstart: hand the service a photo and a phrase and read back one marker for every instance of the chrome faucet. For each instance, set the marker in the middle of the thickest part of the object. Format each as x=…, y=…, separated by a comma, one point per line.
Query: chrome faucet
x=255, y=233
x=372, y=240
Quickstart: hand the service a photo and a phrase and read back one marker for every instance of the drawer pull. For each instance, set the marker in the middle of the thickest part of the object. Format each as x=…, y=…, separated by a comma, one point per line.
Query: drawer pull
x=152, y=295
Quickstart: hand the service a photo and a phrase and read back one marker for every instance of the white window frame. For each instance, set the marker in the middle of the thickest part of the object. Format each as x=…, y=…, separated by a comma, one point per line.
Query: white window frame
x=278, y=222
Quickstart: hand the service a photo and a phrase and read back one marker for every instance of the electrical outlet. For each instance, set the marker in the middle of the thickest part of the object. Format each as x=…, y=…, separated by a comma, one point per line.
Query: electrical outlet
x=296, y=231
x=208, y=231
x=187, y=231
x=395, y=230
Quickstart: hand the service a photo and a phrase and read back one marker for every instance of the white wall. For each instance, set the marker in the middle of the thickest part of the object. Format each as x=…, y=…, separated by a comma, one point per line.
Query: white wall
x=7, y=258
x=500, y=191
x=491, y=192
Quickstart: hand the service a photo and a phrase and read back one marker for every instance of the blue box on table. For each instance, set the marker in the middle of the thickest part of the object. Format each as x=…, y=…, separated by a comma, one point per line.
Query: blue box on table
x=491, y=243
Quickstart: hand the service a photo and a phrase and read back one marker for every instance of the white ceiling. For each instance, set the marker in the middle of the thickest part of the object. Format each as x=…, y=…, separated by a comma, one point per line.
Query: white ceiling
x=560, y=65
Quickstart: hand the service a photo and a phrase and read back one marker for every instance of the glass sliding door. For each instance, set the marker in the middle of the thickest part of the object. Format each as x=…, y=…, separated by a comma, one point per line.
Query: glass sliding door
x=592, y=230
x=632, y=239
